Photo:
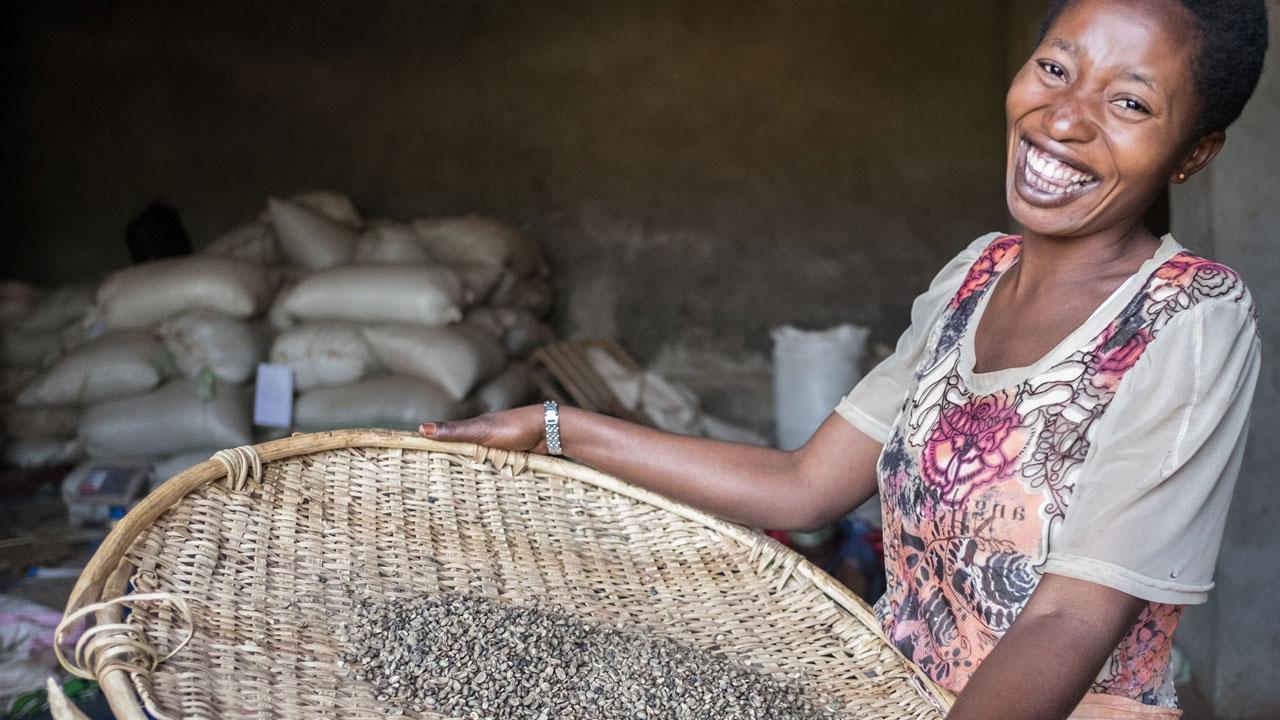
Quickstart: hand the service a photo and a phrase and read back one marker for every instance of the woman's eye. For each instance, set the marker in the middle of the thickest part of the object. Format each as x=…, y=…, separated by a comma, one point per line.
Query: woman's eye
x=1052, y=68
x=1133, y=105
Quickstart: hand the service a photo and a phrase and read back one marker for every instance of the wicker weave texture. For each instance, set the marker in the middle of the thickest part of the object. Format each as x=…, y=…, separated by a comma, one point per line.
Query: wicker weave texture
x=271, y=573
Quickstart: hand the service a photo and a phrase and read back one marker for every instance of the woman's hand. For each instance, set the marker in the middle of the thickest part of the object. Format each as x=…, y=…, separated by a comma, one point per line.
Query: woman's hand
x=519, y=429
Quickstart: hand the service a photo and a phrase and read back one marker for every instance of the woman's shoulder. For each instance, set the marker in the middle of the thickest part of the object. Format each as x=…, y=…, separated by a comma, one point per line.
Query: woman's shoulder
x=991, y=246
x=1201, y=279
x=1192, y=308
x=1187, y=280
x=990, y=243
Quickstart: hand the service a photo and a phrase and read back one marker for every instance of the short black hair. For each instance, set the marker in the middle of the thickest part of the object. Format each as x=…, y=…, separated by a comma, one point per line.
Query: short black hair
x=1233, y=43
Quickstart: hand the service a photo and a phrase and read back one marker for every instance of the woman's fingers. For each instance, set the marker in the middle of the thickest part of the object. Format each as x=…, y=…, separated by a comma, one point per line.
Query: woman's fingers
x=519, y=429
x=474, y=430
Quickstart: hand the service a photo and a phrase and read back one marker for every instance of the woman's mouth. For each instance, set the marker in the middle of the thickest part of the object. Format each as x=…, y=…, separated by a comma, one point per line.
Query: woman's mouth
x=1046, y=180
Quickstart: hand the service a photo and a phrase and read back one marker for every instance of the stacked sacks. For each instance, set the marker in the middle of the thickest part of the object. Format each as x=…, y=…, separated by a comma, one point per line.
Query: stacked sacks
x=180, y=416
x=378, y=280
x=190, y=390
x=330, y=294
x=116, y=364
x=507, y=275
x=207, y=341
x=147, y=294
x=310, y=238
x=384, y=324
x=39, y=437
x=377, y=333
x=254, y=242
x=16, y=300
x=37, y=331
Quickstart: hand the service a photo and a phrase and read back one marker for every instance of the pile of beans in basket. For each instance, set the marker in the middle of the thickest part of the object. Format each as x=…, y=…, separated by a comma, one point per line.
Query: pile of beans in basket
x=469, y=657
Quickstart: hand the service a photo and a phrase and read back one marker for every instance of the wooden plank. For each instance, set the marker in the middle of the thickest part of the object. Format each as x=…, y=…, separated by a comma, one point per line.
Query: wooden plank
x=569, y=365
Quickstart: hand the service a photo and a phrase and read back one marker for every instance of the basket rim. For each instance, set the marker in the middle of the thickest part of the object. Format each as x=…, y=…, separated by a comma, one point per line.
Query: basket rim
x=102, y=575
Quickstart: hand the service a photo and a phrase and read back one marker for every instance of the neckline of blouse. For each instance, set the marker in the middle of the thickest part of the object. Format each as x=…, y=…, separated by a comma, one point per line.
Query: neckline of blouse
x=988, y=382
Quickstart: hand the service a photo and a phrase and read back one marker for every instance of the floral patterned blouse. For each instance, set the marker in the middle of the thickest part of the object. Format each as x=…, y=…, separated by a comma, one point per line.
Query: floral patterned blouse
x=1112, y=459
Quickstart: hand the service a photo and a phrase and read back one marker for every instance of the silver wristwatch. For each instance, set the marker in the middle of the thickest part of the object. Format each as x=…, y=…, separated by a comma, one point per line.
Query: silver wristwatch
x=551, y=416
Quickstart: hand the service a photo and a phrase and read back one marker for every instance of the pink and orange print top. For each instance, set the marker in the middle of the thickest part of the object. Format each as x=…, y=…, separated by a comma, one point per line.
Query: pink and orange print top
x=989, y=480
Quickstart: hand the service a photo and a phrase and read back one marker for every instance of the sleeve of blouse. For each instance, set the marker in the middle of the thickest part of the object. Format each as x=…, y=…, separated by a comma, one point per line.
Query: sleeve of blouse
x=1149, y=508
x=873, y=404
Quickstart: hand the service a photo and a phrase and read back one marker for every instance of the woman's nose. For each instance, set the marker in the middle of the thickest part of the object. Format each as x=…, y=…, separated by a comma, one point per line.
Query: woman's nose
x=1069, y=118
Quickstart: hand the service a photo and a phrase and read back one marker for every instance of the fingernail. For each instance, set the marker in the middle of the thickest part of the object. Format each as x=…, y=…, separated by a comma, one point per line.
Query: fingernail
x=427, y=428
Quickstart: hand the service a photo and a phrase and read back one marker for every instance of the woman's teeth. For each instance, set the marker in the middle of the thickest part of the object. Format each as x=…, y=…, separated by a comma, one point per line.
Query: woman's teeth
x=1048, y=174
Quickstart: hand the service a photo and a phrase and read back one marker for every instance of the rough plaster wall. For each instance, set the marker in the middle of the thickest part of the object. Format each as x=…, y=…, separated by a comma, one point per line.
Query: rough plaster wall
x=1233, y=212
x=698, y=172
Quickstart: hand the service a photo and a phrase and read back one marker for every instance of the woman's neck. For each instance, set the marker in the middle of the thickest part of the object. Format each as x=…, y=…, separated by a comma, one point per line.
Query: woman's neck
x=1045, y=262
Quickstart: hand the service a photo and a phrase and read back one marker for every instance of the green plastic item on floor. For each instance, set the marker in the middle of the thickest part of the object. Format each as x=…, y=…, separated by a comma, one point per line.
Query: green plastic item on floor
x=36, y=702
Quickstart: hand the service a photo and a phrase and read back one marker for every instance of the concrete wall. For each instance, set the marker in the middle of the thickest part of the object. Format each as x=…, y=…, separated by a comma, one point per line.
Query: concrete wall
x=698, y=172
x=1232, y=211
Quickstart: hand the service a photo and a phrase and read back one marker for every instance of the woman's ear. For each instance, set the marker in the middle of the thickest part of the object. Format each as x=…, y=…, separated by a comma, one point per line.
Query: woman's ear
x=1200, y=154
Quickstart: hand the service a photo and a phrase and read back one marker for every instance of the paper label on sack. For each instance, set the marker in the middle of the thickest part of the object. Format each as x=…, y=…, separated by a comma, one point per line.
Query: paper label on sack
x=273, y=396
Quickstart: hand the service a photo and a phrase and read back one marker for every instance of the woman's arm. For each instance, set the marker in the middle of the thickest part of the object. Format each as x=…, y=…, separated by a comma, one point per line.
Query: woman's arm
x=1043, y=666
x=832, y=473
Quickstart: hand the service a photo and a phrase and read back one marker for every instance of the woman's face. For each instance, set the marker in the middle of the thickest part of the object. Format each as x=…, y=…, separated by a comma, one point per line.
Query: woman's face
x=1100, y=116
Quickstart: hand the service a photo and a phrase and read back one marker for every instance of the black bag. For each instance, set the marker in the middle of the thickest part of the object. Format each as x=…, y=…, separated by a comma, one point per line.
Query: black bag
x=157, y=233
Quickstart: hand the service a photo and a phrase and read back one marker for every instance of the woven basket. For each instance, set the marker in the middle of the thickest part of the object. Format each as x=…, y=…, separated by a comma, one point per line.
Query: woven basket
x=220, y=595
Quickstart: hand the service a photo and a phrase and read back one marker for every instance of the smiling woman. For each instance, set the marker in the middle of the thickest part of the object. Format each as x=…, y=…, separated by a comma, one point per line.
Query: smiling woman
x=1057, y=435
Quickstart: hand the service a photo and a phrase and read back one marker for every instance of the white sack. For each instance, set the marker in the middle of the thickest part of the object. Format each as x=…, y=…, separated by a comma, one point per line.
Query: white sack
x=324, y=353
x=288, y=275
x=521, y=331
x=65, y=305
x=13, y=378
x=169, y=420
x=36, y=348
x=78, y=334
x=33, y=454
x=457, y=357
x=17, y=299
x=230, y=348
x=529, y=294
x=427, y=295
x=309, y=238
x=390, y=243
x=489, y=319
x=670, y=406
x=335, y=206
x=527, y=333
x=512, y=387
x=811, y=372
x=253, y=242
x=718, y=429
x=673, y=408
x=479, y=281
x=393, y=402
x=166, y=468
x=475, y=240
x=278, y=316
x=143, y=295
x=39, y=423
x=111, y=366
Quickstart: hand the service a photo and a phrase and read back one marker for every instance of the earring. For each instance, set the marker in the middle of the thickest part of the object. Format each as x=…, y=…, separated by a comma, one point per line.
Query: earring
x=1182, y=177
